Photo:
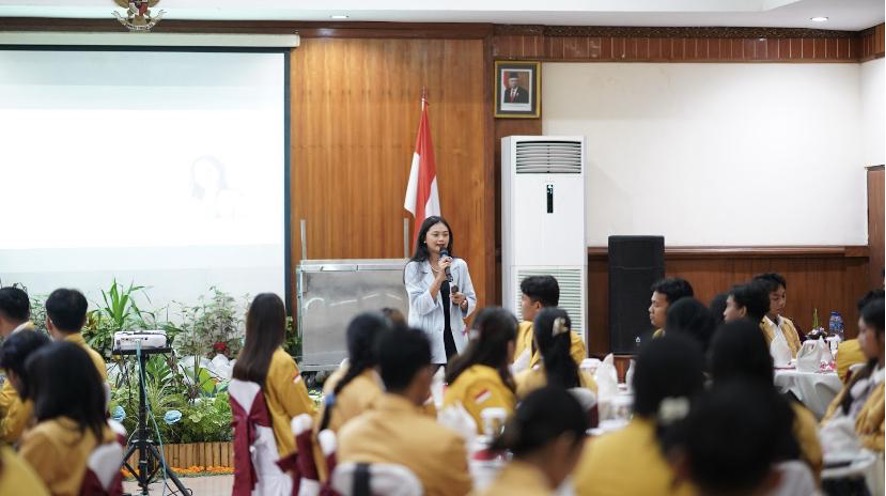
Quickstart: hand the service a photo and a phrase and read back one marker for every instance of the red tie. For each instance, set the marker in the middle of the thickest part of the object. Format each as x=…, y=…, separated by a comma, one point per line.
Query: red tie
x=513, y=94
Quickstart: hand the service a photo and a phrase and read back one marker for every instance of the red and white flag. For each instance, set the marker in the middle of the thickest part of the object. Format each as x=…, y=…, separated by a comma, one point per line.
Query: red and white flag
x=422, y=198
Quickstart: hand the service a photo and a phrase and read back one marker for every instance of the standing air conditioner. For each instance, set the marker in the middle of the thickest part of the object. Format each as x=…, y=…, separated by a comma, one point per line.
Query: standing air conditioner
x=543, y=219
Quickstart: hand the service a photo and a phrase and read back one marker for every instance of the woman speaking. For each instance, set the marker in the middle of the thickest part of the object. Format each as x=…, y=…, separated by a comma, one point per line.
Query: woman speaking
x=441, y=294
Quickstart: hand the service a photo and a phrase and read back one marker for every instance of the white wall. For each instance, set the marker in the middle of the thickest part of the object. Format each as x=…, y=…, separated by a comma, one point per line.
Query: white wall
x=873, y=117
x=716, y=154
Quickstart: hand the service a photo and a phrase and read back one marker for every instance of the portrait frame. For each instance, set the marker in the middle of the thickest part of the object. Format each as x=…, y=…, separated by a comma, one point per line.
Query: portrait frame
x=517, y=89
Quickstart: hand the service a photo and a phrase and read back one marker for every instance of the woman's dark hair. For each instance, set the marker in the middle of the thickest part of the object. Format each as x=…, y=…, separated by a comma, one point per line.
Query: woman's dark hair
x=543, y=416
x=739, y=350
x=362, y=335
x=560, y=368
x=771, y=281
x=691, y=317
x=421, y=251
x=63, y=382
x=265, y=329
x=15, y=351
x=496, y=327
x=754, y=297
x=668, y=367
x=872, y=314
x=718, y=306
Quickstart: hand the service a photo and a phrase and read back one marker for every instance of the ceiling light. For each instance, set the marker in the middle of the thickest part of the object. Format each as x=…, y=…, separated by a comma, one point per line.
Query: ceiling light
x=818, y=19
x=343, y=16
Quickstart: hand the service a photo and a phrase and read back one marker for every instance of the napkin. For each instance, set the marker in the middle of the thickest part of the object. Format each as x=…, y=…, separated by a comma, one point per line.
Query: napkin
x=826, y=355
x=781, y=353
x=809, y=356
x=437, y=386
x=459, y=420
x=607, y=378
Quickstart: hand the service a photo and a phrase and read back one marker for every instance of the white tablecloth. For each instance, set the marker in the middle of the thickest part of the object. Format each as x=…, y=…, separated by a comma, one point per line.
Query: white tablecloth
x=815, y=389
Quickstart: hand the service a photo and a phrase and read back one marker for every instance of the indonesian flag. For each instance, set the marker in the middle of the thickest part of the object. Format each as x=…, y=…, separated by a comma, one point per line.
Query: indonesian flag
x=422, y=198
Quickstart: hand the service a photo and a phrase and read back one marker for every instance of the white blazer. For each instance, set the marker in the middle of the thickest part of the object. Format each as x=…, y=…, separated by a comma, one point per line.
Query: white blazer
x=426, y=313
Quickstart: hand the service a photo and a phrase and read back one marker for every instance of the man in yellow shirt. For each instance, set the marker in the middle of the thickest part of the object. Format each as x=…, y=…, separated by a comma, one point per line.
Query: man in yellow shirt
x=539, y=292
x=774, y=325
x=15, y=312
x=65, y=318
x=849, y=352
x=665, y=293
x=396, y=431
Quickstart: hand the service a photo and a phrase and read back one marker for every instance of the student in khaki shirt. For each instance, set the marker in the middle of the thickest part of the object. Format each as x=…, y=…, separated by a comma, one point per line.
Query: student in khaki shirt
x=629, y=462
x=739, y=352
x=17, y=477
x=396, y=431
x=15, y=312
x=774, y=324
x=539, y=292
x=14, y=352
x=479, y=378
x=666, y=292
x=263, y=361
x=862, y=400
x=545, y=436
x=849, y=352
x=65, y=318
x=551, y=330
x=69, y=408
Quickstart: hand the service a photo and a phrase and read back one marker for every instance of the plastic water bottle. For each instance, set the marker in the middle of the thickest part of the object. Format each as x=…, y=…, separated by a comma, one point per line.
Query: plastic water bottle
x=835, y=325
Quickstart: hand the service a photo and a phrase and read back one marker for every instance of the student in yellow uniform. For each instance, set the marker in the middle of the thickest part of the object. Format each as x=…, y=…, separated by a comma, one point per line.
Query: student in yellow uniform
x=396, y=431
x=350, y=391
x=775, y=325
x=14, y=352
x=479, y=378
x=747, y=301
x=724, y=445
x=15, y=312
x=551, y=330
x=862, y=400
x=65, y=318
x=849, y=352
x=629, y=462
x=263, y=361
x=539, y=292
x=739, y=352
x=666, y=292
x=69, y=408
x=17, y=477
x=545, y=436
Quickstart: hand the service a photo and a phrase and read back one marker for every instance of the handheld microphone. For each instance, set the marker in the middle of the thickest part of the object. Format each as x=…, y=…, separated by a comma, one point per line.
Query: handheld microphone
x=445, y=253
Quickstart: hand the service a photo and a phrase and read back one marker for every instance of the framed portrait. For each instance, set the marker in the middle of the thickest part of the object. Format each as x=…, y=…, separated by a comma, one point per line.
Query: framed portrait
x=517, y=89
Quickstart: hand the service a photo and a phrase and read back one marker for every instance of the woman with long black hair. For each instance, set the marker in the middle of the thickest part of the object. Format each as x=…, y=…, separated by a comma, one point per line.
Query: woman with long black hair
x=436, y=305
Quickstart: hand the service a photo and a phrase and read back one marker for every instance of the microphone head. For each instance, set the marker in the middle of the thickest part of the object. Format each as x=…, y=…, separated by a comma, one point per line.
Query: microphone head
x=444, y=252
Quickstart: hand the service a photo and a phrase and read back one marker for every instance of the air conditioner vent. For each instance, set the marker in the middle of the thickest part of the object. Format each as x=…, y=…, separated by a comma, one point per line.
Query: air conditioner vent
x=571, y=292
x=548, y=157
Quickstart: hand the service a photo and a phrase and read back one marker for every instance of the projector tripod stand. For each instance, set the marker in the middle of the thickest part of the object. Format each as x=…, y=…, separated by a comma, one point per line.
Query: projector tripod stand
x=150, y=460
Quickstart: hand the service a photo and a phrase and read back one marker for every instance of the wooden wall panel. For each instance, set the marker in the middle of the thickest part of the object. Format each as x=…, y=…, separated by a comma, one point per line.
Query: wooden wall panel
x=872, y=43
x=355, y=112
x=827, y=278
x=876, y=244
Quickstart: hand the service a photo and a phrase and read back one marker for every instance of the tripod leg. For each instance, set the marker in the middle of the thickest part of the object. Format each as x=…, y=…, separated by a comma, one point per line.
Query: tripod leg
x=170, y=475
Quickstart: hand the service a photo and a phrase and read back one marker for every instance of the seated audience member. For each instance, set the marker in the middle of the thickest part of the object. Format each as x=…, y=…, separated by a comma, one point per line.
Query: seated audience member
x=665, y=293
x=862, y=399
x=350, y=391
x=14, y=351
x=69, y=409
x=17, y=477
x=539, y=292
x=551, y=329
x=545, y=436
x=65, y=318
x=479, y=378
x=689, y=316
x=747, y=301
x=775, y=325
x=15, y=312
x=264, y=362
x=849, y=352
x=717, y=307
x=724, y=446
x=396, y=317
x=395, y=431
x=668, y=375
x=739, y=352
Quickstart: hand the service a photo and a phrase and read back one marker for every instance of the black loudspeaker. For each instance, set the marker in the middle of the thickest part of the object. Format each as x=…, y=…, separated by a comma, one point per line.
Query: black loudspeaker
x=635, y=263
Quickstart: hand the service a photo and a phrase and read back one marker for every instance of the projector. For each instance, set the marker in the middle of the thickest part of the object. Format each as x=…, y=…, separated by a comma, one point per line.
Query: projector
x=145, y=340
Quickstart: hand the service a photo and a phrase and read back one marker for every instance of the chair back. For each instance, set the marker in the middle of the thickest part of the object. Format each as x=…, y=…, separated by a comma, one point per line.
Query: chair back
x=376, y=479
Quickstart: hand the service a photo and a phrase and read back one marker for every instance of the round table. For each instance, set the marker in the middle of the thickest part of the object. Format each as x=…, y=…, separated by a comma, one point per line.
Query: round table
x=815, y=389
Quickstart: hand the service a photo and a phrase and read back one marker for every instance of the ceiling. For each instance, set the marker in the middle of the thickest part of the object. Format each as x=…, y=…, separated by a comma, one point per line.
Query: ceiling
x=847, y=15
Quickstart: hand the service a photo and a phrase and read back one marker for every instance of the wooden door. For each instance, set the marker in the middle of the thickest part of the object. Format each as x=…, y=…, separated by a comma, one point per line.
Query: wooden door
x=875, y=224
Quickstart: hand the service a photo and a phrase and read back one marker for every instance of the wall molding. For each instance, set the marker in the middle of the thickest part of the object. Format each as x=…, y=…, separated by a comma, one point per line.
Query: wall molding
x=601, y=253
x=668, y=32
